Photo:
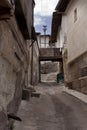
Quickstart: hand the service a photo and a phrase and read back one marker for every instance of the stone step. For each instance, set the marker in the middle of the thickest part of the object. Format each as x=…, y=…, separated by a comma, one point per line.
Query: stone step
x=35, y=94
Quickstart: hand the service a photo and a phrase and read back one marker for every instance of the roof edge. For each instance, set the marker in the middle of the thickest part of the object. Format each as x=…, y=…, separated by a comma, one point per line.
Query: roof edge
x=62, y=5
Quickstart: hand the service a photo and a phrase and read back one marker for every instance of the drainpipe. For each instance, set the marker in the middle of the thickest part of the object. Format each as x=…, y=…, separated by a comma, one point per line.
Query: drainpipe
x=39, y=65
x=32, y=49
x=39, y=71
x=33, y=4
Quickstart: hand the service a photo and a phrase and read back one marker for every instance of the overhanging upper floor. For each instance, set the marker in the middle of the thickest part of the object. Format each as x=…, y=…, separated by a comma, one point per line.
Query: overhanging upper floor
x=6, y=9
x=50, y=54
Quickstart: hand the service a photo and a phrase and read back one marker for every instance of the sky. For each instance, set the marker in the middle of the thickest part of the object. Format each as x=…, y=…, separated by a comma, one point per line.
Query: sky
x=43, y=14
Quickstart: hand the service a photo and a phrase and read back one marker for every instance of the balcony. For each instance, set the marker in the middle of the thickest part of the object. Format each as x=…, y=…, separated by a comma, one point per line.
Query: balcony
x=50, y=54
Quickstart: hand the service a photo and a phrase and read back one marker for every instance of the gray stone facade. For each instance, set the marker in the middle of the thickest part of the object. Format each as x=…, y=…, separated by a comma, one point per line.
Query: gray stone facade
x=71, y=36
x=74, y=40
x=12, y=66
x=77, y=74
x=15, y=58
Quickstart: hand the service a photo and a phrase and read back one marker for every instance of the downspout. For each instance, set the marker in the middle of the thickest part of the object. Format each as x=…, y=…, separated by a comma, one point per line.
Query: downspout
x=39, y=66
x=39, y=63
x=33, y=4
x=32, y=63
x=32, y=43
x=32, y=49
x=39, y=71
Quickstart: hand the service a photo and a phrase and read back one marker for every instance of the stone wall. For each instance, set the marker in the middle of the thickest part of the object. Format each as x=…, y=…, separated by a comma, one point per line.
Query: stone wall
x=77, y=74
x=49, y=67
x=19, y=63
x=50, y=53
x=13, y=65
x=73, y=37
x=35, y=64
x=76, y=32
x=27, y=7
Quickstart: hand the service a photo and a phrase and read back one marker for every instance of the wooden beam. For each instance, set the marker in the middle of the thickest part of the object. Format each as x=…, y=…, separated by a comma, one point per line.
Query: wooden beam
x=6, y=9
x=6, y=4
x=5, y=16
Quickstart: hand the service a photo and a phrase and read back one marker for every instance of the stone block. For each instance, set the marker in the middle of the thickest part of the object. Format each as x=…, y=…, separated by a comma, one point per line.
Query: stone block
x=25, y=94
x=3, y=121
x=84, y=90
x=69, y=85
x=84, y=71
x=84, y=82
x=34, y=94
x=76, y=84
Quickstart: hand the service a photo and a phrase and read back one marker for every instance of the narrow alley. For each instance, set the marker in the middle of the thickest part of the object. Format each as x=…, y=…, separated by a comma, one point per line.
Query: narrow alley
x=53, y=110
x=43, y=65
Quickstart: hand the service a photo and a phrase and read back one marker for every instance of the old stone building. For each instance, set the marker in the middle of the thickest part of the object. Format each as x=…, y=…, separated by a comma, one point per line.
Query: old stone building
x=43, y=40
x=17, y=49
x=55, y=40
x=48, y=56
x=71, y=35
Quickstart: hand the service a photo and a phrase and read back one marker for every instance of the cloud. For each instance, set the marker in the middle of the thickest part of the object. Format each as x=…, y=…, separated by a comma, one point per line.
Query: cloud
x=43, y=13
x=45, y=7
x=38, y=20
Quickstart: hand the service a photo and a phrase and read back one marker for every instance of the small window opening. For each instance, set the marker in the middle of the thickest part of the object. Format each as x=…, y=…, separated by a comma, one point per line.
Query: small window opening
x=75, y=15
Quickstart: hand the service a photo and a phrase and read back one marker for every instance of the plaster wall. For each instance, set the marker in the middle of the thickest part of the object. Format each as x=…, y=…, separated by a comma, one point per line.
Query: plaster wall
x=76, y=30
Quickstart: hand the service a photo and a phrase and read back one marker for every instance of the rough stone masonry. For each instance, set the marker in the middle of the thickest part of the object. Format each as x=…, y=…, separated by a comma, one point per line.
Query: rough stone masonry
x=15, y=40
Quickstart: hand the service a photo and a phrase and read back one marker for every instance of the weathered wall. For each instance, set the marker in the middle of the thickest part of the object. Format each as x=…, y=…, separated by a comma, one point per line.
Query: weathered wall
x=5, y=3
x=28, y=74
x=27, y=6
x=76, y=32
x=75, y=46
x=33, y=68
x=35, y=64
x=49, y=67
x=19, y=63
x=50, y=52
x=12, y=67
x=77, y=74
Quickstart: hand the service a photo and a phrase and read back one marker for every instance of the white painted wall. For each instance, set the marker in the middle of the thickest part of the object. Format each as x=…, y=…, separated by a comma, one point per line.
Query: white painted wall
x=76, y=31
x=41, y=43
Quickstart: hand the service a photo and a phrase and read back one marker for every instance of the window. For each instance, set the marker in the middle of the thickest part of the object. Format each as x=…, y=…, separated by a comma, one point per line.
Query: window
x=75, y=15
x=65, y=39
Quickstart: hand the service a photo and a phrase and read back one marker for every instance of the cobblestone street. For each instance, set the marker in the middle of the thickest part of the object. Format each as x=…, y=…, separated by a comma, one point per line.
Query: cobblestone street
x=54, y=110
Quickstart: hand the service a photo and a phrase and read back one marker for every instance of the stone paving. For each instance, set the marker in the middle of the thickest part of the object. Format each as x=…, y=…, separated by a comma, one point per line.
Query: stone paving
x=54, y=110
